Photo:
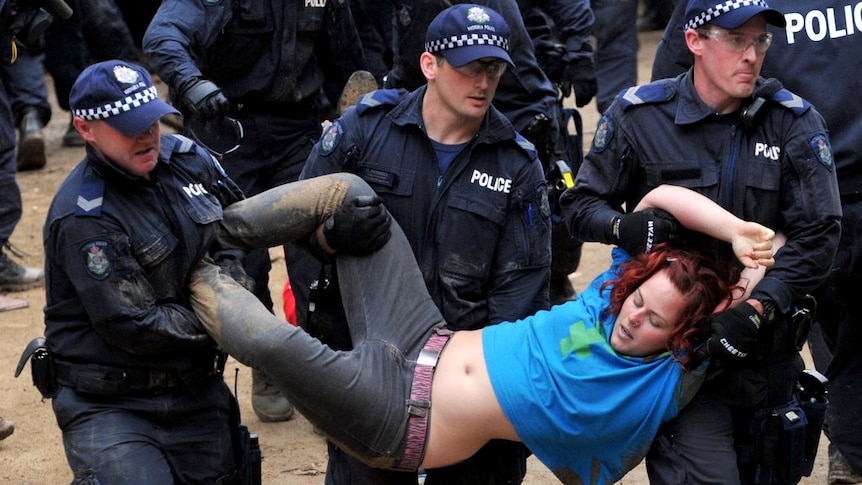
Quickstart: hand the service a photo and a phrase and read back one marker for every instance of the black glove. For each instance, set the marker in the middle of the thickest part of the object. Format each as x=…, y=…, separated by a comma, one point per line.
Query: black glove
x=580, y=75
x=204, y=99
x=231, y=263
x=639, y=232
x=360, y=226
x=735, y=333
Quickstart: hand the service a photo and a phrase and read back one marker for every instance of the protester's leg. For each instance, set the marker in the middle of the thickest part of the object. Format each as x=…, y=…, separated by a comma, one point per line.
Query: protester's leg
x=357, y=398
x=287, y=212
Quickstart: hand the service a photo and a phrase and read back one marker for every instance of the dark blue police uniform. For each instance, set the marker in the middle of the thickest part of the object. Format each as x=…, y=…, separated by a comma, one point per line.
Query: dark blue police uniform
x=796, y=58
x=493, y=193
x=777, y=171
x=480, y=232
x=133, y=363
x=281, y=64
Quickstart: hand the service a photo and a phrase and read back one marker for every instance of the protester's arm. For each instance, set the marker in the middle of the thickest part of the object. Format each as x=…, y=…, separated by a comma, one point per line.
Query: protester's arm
x=752, y=242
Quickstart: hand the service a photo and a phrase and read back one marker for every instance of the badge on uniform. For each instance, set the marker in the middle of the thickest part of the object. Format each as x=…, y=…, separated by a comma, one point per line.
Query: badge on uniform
x=97, y=258
x=604, y=134
x=330, y=139
x=822, y=150
x=544, y=204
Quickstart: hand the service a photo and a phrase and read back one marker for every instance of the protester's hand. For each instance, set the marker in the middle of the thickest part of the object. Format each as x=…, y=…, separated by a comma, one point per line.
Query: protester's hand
x=360, y=226
x=580, y=75
x=752, y=244
x=735, y=333
x=204, y=99
x=639, y=232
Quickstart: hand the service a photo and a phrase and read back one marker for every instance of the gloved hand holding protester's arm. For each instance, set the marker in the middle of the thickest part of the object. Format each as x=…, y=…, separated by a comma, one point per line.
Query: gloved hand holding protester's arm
x=360, y=226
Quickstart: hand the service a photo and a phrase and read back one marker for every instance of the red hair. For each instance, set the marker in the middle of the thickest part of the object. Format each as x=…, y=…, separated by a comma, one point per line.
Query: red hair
x=704, y=283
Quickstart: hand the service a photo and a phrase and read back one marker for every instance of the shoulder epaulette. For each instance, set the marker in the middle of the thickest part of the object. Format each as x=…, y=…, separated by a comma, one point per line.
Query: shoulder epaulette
x=174, y=143
x=657, y=92
x=526, y=145
x=89, y=203
x=791, y=101
x=381, y=97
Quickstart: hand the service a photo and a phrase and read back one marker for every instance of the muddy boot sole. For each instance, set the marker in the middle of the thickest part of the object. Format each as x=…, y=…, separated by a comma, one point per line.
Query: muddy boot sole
x=359, y=83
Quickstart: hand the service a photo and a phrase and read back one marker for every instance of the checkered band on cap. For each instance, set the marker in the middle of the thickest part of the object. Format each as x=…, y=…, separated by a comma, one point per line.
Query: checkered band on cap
x=712, y=13
x=464, y=40
x=118, y=107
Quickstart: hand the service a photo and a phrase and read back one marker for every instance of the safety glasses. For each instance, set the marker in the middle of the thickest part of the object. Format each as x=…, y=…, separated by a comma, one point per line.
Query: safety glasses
x=739, y=42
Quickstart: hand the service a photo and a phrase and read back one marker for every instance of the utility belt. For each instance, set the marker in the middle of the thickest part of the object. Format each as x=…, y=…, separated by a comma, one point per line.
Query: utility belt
x=784, y=439
x=49, y=372
x=109, y=381
x=777, y=443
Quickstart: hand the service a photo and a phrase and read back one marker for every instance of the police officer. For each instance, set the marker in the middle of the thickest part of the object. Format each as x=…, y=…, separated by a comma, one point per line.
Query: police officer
x=13, y=276
x=278, y=68
x=447, y=164
x=560, y=33
x=525, y=94
x=616, y=51
x=761, y=152
x=796, y=59
x=140, y=398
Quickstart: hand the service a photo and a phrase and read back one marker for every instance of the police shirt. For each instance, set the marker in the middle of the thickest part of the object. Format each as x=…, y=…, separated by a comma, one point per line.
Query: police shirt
x=118, y=253
x=780, y=172
x=262, y=53
x=480, y=231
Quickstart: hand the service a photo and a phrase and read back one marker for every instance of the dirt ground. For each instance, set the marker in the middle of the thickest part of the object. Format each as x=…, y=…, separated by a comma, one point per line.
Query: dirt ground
x=293, y=454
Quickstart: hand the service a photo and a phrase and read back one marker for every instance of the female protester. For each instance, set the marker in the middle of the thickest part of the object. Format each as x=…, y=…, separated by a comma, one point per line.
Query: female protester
x=584, y=385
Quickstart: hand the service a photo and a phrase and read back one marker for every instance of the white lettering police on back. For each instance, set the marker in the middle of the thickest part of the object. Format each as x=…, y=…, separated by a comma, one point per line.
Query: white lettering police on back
x=497, y=184
x=820, y=24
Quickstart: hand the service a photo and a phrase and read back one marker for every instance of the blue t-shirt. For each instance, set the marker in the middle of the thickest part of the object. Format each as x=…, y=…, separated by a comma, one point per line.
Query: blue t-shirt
x=588, y=413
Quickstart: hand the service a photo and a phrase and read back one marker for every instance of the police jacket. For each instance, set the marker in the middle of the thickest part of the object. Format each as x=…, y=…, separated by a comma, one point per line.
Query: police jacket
x=264, y=53
x=778, y=172
x=796, y=58
x=118, y=253
x=480, y=231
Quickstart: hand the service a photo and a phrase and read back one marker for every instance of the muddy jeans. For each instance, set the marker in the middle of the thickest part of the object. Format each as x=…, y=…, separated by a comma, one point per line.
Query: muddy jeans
x=358, y=398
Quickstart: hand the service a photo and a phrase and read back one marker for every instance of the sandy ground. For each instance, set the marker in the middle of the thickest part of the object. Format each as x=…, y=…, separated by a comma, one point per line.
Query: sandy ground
x=293, y=454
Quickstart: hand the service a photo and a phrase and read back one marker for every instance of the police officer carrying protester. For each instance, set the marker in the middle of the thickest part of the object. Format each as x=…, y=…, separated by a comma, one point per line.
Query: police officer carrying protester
x=797, y=58
x=761, y=152
x=448, y=164
x=139, y=394
x=276, y=66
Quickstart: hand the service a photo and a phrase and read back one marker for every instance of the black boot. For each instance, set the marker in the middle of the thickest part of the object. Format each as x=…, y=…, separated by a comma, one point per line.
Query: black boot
x=31, y=144
x=14, y=277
